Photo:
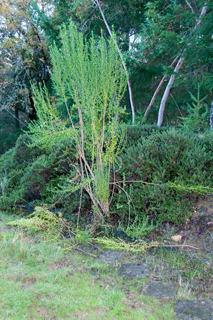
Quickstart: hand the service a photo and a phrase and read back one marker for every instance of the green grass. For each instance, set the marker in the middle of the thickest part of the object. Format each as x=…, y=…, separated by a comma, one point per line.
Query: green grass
x=39, y=281
x=189, y=264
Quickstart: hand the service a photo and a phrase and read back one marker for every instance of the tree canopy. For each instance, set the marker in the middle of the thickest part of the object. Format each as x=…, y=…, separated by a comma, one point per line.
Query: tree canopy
x=149, y=34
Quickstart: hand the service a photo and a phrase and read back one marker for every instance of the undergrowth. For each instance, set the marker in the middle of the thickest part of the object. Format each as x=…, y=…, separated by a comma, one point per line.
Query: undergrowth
x=164, y=174
x=33, y=175
x=162, y=171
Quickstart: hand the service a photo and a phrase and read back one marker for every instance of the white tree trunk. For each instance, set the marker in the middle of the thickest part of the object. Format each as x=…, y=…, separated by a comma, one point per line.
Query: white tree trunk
x=172, y=78
x=157, y=90
x=166, y=93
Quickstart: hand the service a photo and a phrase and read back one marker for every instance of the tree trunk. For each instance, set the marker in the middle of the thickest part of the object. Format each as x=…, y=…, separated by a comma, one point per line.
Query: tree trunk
x=32, y=115
x=166, y=93
x=17, y=118
x=172, y=78
x=157, y=90
x=211, y=116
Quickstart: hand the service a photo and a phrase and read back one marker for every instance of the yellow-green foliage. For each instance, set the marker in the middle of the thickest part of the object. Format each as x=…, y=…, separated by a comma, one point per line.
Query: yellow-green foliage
x=118, y=244
x=42, y=219
x=89, y=82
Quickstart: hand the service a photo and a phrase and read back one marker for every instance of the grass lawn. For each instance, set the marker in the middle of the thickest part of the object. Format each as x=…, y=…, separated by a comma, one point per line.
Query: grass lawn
x=38, y=280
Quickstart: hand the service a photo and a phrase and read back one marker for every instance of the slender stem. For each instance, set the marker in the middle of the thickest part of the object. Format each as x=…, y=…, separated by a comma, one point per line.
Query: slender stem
x=175, y=245
x=128, y=198
x=15, y=117
x=82, y=130
x=103, y=128
x=79, y=208
x=192, y=10
x=120, y=54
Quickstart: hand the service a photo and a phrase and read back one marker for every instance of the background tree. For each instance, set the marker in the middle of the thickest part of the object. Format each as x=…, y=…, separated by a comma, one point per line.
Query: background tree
x=150, y=34
x=171, y=28
x=24, y=56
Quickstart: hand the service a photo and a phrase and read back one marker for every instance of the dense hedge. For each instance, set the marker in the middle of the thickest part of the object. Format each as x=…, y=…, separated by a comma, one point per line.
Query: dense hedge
x=172, y=166
x=169, y=163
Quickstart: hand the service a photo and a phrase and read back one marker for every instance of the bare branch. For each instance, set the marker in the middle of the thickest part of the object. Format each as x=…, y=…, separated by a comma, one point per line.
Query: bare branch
x=203, y=12
x=192, y=10
x=16, y=118
x=97, y=3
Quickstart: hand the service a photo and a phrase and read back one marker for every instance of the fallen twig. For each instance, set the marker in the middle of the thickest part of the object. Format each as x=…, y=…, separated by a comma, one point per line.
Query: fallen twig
x=76, y=248
x=175, y=245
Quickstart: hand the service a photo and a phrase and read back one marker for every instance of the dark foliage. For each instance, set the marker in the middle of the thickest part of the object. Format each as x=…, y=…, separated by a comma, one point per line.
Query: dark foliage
x=163, y=171
x=171, y=166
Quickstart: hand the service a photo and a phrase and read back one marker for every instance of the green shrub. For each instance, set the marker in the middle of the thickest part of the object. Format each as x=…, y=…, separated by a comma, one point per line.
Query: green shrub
x=139, y=227
x=33, y=174
x=137, y=132
x=91, y=75
x=197, y=119
x=171, y=166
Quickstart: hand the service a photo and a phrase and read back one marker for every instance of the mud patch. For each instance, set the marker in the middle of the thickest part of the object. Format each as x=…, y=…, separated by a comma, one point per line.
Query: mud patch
x=29, y=282
x=44, y=313
x=205, y=206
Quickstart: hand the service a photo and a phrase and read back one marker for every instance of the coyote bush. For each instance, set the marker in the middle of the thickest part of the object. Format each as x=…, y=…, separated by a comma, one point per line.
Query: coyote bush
x=174, y=165
x=171, y=167
x=34, y=173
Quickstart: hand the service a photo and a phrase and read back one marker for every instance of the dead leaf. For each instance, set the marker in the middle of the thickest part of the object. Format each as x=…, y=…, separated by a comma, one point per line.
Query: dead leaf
x=177, y=238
